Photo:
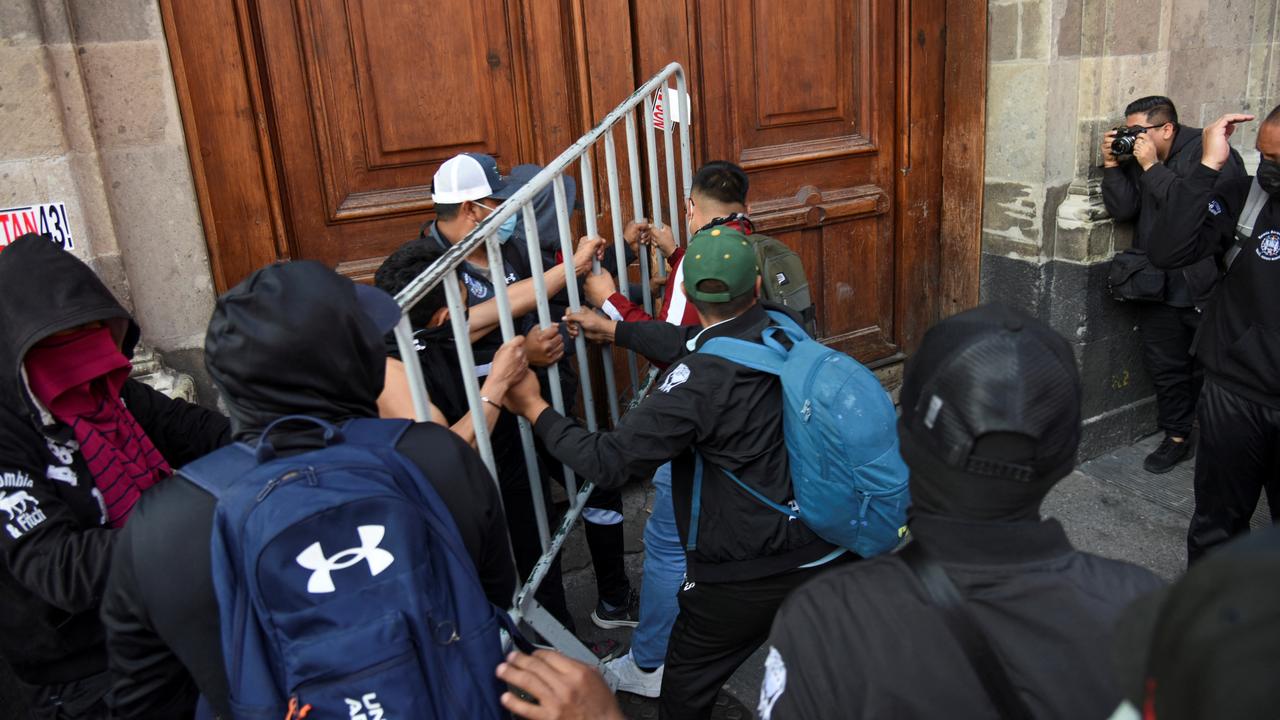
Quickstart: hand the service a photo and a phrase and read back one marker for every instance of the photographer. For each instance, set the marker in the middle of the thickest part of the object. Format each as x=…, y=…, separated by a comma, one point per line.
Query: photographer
x=1135, y=186
x=1239, y=223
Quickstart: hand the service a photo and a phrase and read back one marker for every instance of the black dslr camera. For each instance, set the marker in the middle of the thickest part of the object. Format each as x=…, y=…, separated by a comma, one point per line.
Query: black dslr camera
x=1122, y=143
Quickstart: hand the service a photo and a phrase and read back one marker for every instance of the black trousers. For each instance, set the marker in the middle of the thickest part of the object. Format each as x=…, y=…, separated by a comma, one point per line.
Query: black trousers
x=1167, y=333
x=82, y=699
x=719, y=626
x=1239, y=456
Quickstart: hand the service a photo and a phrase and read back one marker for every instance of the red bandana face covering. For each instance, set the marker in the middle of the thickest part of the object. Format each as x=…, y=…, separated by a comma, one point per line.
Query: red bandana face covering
x=78, y=377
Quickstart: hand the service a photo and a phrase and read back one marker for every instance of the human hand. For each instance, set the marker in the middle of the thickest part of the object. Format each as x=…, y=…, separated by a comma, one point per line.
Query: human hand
x=1144, y=152
x=598, y=287
x=589, y=249
x=663, y=238
x=597, y=327
x=509, y=365
x=1108, y=158
x=544, y=346
x=634, y=233
x=1216, y=148
x=565, y=689
x=524, y=397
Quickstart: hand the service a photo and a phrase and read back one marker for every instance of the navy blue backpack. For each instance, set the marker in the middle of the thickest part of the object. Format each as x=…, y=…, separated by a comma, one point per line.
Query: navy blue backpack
x=344, y=590
x=849, y=479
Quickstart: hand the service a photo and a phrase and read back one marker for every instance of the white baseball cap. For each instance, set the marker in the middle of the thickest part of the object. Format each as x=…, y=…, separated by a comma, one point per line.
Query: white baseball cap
x=471, y=176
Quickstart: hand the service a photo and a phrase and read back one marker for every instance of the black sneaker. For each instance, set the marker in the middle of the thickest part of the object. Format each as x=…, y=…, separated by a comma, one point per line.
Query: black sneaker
x=1170, y=453
x=627, y=615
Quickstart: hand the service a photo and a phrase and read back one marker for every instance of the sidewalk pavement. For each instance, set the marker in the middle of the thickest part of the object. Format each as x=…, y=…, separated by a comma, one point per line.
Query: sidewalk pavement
x=1110, y=506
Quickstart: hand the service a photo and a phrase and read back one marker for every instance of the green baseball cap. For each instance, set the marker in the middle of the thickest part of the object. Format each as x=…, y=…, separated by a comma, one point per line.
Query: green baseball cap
x=723, y=254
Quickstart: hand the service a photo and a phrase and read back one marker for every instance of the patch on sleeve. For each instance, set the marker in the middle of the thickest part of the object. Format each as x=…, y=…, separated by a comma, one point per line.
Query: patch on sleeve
x=775, y=682
x=1215, y=207
x=678, y=376
x=21, y=512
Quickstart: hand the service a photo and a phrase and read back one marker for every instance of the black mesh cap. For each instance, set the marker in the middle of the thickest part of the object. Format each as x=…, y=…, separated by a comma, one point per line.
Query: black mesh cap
x=993, y=393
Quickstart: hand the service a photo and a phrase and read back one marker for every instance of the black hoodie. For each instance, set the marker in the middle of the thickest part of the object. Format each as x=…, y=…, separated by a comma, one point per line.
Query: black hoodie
x=55, y=563
x=289, y=340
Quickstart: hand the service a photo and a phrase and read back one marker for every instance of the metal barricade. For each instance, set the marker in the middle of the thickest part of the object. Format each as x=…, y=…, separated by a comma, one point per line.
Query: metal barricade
x=524, y=606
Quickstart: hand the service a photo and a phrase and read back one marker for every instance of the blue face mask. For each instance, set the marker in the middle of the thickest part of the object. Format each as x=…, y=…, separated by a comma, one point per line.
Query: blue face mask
x=506, y=229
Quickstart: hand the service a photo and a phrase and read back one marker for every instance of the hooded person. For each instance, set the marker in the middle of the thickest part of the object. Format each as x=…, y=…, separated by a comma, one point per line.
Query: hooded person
x=82, y=443
x=291, y=339
x=990, y=423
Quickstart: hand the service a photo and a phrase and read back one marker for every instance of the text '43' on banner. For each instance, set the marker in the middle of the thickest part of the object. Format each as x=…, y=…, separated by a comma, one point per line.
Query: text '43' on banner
x=50, y=218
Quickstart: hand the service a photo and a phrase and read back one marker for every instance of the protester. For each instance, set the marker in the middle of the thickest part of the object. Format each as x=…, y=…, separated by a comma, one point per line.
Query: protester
x=1238, y=223
x=1206, y=647
x=82, y=443
x=990, y=422
x=433, y=339
x=466, y=189
x=1134, y=189
x=718, y=198
x=714, y=413
x=160, y=609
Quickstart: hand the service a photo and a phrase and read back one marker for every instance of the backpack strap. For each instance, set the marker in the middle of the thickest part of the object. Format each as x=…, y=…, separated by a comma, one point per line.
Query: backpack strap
x=696, y=504
x=1244, y=226
x=375, y=431
x=945, y=597
x=746, y=353
x=216, y=472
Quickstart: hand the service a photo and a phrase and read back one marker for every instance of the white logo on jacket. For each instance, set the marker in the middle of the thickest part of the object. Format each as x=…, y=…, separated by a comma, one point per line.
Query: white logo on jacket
x=23, y=510
x=1269, y=245
x=775, y=682
x=678, y=376
x=322, y=567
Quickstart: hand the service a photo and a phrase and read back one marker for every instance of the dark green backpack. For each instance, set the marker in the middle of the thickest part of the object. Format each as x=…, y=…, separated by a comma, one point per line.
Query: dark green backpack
x=784, y=281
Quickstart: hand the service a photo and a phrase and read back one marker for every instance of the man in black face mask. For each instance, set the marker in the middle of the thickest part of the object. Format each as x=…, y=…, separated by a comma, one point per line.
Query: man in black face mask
x=1239, y=345
x=990, y=423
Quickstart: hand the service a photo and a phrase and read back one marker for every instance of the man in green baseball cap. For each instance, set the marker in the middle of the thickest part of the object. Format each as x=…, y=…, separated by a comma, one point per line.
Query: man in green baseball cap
x=707, y=415
x=720, y=272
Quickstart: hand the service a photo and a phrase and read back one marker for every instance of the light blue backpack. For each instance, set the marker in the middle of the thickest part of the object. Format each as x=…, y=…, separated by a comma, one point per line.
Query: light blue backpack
x=849, y=479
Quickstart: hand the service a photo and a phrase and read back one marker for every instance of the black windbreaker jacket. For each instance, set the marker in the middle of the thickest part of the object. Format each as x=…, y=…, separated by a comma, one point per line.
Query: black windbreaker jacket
x=1239, y=341
x=55, y=546
x=863, y=640
x=730, y=414
x=1131, y=195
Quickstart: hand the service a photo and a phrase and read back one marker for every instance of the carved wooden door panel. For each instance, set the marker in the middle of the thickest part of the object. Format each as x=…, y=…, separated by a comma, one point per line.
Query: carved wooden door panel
x=802, y=96
x=368, y=98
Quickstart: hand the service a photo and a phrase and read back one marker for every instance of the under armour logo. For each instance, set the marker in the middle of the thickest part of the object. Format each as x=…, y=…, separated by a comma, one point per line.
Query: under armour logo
x=314, y=559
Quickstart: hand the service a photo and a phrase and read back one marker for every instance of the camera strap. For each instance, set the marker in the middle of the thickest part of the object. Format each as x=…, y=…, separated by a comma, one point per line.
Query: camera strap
x=1244, y=226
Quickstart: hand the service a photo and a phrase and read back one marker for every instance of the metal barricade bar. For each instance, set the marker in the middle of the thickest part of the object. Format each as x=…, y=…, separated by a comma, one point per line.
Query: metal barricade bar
x=525, y=607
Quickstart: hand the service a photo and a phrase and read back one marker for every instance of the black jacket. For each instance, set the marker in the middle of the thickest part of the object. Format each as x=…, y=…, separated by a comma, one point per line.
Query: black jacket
x=861, y=641
x=730, y=414
x=1239, y=341
x=160, y=609
x=1131, y=195
x=55, y=565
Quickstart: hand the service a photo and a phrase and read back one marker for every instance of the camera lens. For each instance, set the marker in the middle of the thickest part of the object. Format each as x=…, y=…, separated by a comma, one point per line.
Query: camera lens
x=1122, y=145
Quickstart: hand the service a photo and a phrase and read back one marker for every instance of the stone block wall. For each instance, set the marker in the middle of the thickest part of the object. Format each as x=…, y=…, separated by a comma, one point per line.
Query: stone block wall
x=89, y=117
x=1060, y=73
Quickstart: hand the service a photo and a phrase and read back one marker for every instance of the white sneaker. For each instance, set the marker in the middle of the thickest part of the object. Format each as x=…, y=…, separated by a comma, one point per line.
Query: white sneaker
x=634, y=680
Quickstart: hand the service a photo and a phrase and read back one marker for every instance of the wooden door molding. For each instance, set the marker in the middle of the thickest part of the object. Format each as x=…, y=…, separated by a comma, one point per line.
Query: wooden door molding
x=216, y=73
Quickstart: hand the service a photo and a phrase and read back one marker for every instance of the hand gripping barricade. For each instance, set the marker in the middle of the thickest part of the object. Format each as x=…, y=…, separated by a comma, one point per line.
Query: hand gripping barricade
x=580, y=154
x=849, y=479
x=343, y=586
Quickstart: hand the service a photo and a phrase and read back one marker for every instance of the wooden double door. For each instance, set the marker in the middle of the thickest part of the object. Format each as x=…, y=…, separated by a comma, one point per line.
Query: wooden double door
x=317, y=125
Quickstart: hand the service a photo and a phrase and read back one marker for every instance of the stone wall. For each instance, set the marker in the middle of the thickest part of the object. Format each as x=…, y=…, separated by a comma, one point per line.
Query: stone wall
x=1060, y=74
x=89, y=117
